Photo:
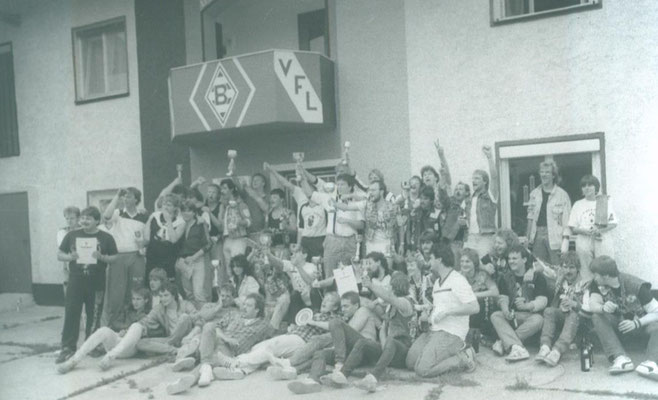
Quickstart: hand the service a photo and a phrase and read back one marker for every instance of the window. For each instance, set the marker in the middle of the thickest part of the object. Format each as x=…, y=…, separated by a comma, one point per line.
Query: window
x=503, y=11
x=8, y=120
x=312, y=30
x=100, y=60
x=575, y=157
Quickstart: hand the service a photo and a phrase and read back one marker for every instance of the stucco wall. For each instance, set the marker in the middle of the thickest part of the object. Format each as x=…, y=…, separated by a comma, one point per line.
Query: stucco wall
x=472, y=84
x=66, y=149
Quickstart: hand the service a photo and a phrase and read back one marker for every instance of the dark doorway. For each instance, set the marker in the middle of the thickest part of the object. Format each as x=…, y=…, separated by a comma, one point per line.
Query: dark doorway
x=312, y=29
x=15, y=263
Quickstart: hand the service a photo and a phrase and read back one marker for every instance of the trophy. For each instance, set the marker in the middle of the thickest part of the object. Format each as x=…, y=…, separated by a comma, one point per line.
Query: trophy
x=179, y=170
x=232, y=154
x=299, y=158
x=346, y=153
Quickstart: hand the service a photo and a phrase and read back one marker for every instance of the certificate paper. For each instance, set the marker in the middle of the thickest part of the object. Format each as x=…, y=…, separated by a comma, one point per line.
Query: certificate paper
x=345, y=280
x=85, y=247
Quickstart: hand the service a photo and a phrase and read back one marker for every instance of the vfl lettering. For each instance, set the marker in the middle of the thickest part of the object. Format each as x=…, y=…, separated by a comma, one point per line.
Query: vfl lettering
x=294, y=80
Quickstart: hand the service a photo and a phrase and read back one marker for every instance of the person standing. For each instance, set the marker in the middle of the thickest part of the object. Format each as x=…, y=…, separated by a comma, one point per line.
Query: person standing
x=548, y=216
x=127, y=272
x=592, y=240
x=72, y=216
x=482, y=215
x=86, y=277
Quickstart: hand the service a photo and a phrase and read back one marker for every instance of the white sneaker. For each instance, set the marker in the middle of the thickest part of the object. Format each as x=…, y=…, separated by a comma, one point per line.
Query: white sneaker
x=648, y=369
x=369, y=383
x=281, y=374
x=498, y=348
x=181, y=385
x=543, y=352
x=553, y=358
x=205, y=375
x=620, y=365
x=517, y=353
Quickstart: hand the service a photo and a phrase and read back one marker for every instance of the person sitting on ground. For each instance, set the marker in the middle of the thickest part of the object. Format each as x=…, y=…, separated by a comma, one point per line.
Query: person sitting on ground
x=301, y=274
x=344, y=335
x=233, y=335
x=375, y=267
x=109, y=337
x=442, y=349
x=563, y=312
x=521, y=305
x=242, y=277
x=157, y=279
x=486, y=291
x=393, y=335
x=278, y=349
x=177, y=318
x=623, y=303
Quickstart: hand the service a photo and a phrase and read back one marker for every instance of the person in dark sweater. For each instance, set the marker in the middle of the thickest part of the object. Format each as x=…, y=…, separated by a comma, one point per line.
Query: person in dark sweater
x=623, y=304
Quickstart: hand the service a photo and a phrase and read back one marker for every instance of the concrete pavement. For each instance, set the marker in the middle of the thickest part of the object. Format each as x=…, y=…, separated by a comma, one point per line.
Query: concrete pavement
x=28, y=340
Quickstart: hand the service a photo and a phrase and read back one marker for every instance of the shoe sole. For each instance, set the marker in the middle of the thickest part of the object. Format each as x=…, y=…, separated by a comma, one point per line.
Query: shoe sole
x=512, y=360
x=183, y=365
x=368, y=387
x=620, y=371
x=304, y=388
x=327, y=381
x=182, y=385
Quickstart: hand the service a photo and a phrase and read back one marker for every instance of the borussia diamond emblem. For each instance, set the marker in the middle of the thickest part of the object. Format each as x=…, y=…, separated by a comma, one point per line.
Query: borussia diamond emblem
x=221, y=94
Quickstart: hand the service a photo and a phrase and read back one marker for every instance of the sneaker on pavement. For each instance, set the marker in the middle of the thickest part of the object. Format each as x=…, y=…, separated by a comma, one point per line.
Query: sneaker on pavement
x=648, y=369
x=369, y=383
x=181, y=385
x=553, y=358
x=228, y=374
x=335, y=379
x=517, y=353
x=620, y=365
x=106, y=362
x=469, y=359
x=64, y=355
x=498, y=348
x=205, y=375
x=304, y=386
x=66, y=366
x=184, y=364
x=281, y=374
x=543, y=352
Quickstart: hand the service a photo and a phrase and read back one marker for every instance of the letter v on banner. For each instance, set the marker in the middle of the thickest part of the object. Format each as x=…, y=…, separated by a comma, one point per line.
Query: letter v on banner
x=297, y=85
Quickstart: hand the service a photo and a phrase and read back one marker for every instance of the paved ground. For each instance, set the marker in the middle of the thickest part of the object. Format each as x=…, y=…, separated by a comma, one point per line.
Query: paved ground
x=28, y=340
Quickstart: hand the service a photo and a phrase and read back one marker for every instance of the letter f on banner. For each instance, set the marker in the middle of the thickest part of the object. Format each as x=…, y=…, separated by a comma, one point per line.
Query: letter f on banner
x=297, y=85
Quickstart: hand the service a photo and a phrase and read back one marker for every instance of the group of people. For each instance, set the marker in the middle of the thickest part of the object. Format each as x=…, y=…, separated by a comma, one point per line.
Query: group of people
x=238, y=279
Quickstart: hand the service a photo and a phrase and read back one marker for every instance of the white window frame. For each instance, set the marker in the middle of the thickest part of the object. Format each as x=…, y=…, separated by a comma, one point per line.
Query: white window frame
x=497, y=10
x=590, y=143
x=77, y=35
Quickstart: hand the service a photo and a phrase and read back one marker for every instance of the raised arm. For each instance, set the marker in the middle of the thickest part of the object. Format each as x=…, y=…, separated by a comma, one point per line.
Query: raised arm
x=166, y=191
x=446, y=178
x=281, y=180
x=493, y=172
x=109, y=210
x=400, y=303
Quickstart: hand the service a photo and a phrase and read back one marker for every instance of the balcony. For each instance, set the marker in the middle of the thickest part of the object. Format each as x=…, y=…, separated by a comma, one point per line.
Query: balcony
x=268, y=91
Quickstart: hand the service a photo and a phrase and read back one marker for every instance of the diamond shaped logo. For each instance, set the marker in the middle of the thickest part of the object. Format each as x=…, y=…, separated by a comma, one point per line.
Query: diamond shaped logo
x=221, y=94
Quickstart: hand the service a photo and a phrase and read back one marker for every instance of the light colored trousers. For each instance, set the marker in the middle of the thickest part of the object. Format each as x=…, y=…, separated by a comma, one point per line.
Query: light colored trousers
x=109, y=339
x=282, y=346
x=529, y=324
x=434, y=353
x=589, y=248
x=192, y=278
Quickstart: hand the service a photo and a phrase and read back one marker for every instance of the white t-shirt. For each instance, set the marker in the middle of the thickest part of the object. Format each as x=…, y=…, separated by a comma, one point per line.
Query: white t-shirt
x=124, y=232
x=334, y=227
x=453, y=292
x=583, y=214
x=312, y=217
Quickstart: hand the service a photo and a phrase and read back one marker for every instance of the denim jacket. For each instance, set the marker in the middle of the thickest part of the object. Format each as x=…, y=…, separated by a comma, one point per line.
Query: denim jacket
x=486, y=212
x=557, y=214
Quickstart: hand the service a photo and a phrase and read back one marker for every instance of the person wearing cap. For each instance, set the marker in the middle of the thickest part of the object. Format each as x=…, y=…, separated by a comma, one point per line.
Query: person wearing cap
x=622, y=304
